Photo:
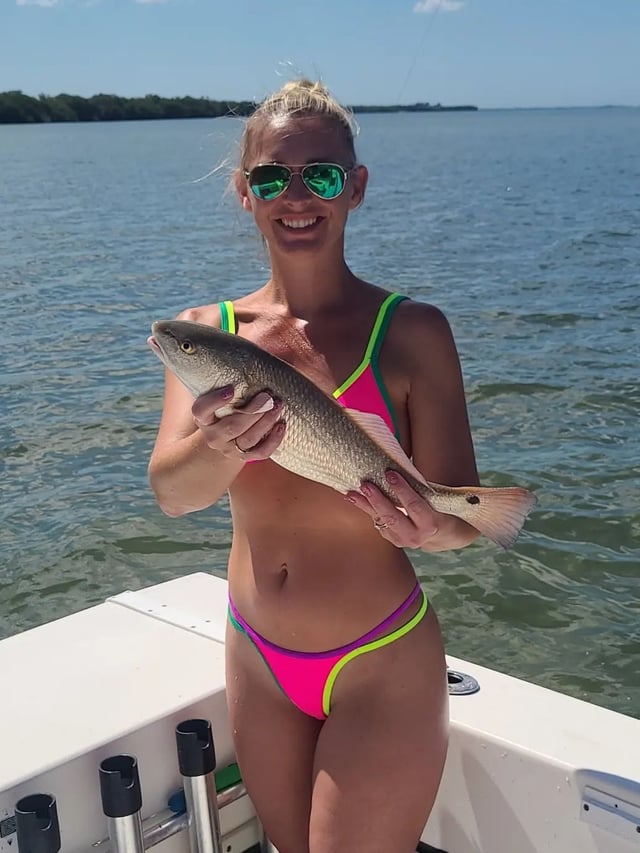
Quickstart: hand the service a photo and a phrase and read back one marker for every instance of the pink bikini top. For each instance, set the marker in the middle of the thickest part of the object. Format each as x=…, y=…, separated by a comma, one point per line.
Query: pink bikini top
x=364, y=390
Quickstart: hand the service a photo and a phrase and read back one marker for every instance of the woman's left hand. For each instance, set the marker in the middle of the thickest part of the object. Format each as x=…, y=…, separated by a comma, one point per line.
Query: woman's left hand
x=408, y=526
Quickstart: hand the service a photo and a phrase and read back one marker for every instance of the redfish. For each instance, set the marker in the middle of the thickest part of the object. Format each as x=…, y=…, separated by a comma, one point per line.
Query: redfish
x=325, y=442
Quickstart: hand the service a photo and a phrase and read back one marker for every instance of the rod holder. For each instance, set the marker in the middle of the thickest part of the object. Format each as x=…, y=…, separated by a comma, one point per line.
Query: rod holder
x=37, y=824
x=197, y=762
x=122, y=802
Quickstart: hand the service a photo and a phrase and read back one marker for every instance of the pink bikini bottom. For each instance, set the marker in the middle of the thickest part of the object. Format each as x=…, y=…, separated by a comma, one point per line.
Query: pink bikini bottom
x=307, y=678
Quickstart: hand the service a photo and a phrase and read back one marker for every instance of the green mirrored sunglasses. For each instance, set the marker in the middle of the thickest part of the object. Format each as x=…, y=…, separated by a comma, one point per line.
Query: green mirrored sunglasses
x=269, y=180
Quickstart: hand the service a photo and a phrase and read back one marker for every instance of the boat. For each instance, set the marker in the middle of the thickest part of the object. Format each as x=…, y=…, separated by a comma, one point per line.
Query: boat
x=110, y=691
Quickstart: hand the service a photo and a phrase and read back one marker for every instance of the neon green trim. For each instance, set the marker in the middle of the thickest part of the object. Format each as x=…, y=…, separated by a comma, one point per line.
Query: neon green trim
x=376, y=368
x=224, y=316
x=390, y=303
x=227, y=317
x=371, y=344
x=368, y=647
x=240, y=628
x=356, y=373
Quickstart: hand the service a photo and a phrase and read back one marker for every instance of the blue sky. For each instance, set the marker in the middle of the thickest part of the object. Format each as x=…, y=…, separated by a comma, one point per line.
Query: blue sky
x=493, y=53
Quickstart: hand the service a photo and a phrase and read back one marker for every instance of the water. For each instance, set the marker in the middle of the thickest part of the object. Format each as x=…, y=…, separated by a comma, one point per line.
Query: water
x=524, y=227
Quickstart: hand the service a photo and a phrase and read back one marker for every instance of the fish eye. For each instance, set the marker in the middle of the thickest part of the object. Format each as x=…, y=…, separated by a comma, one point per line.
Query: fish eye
x=188, y=347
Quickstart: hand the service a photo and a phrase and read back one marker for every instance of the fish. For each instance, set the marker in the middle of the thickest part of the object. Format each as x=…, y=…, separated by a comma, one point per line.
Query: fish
x=323, y=441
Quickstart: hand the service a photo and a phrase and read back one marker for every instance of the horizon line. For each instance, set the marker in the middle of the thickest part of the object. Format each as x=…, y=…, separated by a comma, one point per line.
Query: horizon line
x=475, y=107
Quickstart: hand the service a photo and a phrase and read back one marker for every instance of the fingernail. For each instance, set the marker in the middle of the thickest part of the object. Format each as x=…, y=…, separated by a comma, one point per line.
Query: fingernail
x=266, y=405
x=366, y=489
x=392, y=477
x=227, y=392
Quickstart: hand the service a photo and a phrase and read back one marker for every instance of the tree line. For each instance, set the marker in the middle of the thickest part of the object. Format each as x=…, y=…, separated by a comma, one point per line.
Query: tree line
x=18, y=108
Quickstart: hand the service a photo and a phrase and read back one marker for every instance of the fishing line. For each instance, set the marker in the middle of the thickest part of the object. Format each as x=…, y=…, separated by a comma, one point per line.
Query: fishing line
x=425, y=32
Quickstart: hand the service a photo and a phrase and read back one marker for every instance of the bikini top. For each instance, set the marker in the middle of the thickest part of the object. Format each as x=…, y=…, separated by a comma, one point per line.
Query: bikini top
x=364, y=390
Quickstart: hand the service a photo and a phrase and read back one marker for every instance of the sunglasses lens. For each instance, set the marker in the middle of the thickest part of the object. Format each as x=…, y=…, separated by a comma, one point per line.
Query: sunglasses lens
x=268, y=182
x=326, y=180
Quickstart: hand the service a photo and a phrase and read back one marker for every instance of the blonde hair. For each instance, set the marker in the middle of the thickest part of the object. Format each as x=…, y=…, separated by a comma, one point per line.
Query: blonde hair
x=297, y=98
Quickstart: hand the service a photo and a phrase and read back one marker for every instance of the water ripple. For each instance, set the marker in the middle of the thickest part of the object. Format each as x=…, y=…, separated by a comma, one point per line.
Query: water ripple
x=526, y=232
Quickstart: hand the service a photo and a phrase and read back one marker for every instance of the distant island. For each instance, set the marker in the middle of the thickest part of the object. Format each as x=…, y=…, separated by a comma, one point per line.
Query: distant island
x=18, y=108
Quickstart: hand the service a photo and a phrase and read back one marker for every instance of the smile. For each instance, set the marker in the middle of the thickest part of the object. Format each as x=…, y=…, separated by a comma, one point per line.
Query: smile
x=299, y=223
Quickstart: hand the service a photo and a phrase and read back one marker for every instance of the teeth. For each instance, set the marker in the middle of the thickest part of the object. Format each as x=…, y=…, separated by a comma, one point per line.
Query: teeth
x=299, y=223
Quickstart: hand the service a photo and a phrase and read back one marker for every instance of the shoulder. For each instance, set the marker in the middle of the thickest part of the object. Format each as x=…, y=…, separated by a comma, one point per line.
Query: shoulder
x=422, y=330
x=209, y=314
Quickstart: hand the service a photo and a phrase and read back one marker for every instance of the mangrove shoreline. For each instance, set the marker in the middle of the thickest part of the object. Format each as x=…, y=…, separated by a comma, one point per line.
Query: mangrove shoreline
x=18, y=108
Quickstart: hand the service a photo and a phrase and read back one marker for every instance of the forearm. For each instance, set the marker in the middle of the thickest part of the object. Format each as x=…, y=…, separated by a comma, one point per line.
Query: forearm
x=452, y=533
x=187, y=476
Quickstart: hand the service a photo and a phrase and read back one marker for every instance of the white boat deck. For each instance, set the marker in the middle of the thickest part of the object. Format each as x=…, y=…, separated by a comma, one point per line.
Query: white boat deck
x=523, y=761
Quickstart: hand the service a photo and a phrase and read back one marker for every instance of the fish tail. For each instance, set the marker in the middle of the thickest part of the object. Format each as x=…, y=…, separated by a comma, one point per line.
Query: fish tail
x=498, y=514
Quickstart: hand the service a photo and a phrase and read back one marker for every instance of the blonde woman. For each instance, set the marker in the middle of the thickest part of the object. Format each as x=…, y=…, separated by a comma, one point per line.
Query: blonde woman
x=336, y=675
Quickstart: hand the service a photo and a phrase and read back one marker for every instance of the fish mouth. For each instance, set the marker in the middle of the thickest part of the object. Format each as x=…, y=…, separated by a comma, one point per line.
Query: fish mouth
x=158, y=330
x=156, y=348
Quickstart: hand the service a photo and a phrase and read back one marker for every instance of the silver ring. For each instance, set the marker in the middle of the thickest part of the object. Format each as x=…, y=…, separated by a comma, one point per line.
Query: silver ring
x=239, y=449
x=380, y=525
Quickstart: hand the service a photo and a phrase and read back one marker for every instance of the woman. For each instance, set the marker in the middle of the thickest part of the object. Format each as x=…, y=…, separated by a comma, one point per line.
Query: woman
x=340, y=750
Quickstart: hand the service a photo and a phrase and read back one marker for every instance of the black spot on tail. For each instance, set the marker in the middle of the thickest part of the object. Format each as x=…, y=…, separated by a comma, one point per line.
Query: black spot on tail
x=473, y=499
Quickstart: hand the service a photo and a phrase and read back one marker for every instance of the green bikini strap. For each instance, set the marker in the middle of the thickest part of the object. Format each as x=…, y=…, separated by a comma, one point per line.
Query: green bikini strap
x=227, y=317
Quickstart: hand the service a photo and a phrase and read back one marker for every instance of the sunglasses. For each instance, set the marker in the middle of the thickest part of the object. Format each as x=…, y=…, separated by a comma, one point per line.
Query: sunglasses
x=267, y=181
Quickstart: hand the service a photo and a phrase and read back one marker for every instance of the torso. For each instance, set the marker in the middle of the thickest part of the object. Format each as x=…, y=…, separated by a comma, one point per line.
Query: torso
x=307, y=569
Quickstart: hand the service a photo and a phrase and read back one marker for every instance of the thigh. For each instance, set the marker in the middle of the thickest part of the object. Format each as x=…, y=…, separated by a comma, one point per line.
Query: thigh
x=274, y=743
x=381, y=753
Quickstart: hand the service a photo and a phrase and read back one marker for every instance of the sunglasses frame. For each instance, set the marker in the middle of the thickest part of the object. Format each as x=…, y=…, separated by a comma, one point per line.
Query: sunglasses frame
x=299, y=170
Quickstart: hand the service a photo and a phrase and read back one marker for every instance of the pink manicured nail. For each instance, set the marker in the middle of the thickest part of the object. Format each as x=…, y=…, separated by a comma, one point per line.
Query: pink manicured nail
x=392, y=477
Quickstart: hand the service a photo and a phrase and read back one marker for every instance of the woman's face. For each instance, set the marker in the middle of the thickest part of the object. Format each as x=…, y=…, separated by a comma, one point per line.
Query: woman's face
x=297, y=220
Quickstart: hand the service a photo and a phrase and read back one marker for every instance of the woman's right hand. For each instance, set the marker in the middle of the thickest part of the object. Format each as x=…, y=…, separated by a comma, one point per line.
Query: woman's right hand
x=251, y=432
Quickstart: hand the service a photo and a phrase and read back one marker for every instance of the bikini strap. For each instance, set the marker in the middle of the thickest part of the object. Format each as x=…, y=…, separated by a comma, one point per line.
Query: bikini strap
x=376, y=339
x=227, y=317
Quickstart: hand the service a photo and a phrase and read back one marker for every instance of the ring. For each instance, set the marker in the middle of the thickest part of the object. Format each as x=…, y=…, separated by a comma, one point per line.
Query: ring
x=239, y=449
x=380, y=525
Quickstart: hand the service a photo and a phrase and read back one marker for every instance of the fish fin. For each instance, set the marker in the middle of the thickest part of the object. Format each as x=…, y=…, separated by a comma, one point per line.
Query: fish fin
x=498, y=514
x=377, y=429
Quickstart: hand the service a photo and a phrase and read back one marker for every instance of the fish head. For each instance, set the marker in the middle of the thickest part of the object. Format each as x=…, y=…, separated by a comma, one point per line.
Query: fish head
x=201, y=356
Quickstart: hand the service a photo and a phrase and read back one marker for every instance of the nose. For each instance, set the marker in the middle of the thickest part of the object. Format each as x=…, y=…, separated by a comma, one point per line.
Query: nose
x=296, y=191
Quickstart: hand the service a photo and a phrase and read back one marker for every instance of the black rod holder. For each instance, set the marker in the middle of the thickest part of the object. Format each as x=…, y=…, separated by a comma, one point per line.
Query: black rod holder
x=196, y=752
x=120, y=786
x=197, y=762
x=122, y=802
x=37, y=824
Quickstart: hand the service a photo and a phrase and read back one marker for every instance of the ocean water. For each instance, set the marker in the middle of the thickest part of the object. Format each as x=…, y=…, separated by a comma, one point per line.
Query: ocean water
x=523, y=226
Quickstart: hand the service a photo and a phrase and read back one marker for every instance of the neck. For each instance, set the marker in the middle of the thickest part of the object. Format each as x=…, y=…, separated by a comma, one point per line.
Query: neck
x=309, y=285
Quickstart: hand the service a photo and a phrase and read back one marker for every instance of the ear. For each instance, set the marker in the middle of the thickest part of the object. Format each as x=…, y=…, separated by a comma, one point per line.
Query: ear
x=358, y=184
x=243, y=191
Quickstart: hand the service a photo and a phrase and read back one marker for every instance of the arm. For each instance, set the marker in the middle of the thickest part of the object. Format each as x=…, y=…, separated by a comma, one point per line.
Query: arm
x=195, y=458
x=185, y=474
x=442, y=448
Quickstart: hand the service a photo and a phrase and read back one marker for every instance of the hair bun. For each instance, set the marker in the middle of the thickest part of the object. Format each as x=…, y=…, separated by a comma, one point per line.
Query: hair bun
x=299, y=98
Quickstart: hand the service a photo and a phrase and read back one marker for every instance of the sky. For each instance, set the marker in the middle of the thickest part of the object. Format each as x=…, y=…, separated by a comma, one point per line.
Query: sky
x=490, y=53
